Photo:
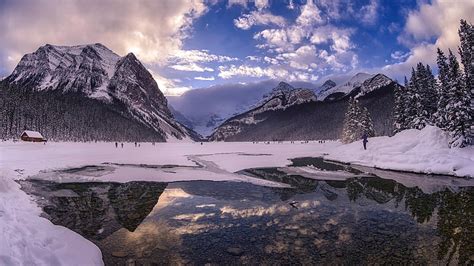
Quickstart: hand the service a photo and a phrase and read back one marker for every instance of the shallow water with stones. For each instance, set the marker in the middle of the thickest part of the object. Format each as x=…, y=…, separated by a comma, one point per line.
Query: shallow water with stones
x=364, y=219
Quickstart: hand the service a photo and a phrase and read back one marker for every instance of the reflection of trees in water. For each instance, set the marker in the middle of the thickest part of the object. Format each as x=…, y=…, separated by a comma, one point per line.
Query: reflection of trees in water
x=455, y=209
x=420, y=204
x=456, y=225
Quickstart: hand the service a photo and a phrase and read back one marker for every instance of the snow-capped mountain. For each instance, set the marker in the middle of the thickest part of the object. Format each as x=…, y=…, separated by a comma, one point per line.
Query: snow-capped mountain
x=281, y=97
x=280, y=118
x=96, y=72
x=327, y=85
x=362, y=83
x=207, y=108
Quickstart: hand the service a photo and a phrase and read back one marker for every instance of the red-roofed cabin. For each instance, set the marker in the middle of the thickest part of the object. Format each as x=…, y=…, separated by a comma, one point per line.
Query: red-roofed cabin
x=33, y=136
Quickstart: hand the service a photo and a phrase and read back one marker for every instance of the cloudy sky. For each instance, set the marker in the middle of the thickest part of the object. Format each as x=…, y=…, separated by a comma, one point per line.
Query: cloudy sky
x=190, y=44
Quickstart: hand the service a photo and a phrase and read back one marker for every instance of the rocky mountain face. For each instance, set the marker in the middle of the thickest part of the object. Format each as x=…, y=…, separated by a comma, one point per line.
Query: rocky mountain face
x=96, y=210
x=120, y=84
x=327, y=85
x=280, y=98
x=207, y=108
x=320, y=119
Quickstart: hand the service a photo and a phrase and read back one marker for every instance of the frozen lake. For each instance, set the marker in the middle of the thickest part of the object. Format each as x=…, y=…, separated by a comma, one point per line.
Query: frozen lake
x=310, y=212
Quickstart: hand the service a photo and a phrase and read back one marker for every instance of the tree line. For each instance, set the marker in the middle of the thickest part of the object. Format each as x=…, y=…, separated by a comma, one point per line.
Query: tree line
x=68, y=117
x=446, y=101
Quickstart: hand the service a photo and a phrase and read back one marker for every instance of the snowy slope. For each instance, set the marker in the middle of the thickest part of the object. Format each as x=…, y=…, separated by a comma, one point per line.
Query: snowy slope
x=98, y=73
x=207, y=108
x=421, y=151
x=281, y=97
x=363, y=82
x=327, y=85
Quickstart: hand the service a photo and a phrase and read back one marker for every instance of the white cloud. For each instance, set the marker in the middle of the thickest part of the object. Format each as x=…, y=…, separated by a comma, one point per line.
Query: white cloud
x=194, y=56
x=187, y=60
x=304, y=58
x=259, y=4
x=193, y=67
x=340, y=37
x=399, y=55
x=291, y=5
x=205, y=78
x=168, y=86
x=124, y=26
x=242, y=3
x=253, y=58
x=310, y=15
x=227, y=72
x=439, y=20
x=246, y=21
x=272, y=72
x=369, y=13
x=270, y=60
x=275, y=38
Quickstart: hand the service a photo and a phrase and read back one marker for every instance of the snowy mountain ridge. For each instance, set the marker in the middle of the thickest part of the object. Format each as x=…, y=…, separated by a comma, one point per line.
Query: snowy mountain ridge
x=282, y=96
x=98, y=73
x=363, y=81
x=327, y=85
x=289, y=113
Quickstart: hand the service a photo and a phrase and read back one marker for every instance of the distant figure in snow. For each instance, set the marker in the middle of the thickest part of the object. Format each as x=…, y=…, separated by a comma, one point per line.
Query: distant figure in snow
x=116, y=144
x=138, y=144
x=135, y=144
x=364, y=140
x=122, y=145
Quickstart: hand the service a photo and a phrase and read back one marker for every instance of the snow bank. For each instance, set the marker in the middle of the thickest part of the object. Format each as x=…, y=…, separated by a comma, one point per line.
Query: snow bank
x=27, y=239
x=420, y=151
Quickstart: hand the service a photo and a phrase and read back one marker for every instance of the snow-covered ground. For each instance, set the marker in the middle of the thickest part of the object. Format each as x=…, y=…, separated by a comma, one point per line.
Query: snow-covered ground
x=28, y=238
x=420, y=151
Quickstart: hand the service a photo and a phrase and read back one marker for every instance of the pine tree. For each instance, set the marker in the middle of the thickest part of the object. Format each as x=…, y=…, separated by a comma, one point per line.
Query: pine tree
x=466, y=50
x=349, y=127
x=399, y=109
x=415, y=107
x=357, y=121
x=431, y=96
x=366, y=124
x=458, y=106
x=443, y=89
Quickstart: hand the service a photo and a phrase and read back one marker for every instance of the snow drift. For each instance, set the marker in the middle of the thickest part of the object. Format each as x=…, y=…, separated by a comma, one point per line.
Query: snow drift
x=420, y=151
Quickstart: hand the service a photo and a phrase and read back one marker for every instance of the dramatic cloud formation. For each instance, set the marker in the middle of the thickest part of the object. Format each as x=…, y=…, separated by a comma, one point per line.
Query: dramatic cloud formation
x=189, y=44
x=151, y=29
x=438, y=20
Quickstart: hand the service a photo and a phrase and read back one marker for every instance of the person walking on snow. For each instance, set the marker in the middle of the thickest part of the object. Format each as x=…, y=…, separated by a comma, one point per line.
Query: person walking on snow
x=364, y=140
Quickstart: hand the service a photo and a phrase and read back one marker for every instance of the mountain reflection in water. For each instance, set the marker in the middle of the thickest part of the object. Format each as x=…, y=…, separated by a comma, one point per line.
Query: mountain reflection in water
x=361, y=220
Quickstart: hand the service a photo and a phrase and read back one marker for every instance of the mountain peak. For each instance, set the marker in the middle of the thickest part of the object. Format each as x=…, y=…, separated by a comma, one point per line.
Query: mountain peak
x=283, y=86
x=327, y=85
x=96, y=72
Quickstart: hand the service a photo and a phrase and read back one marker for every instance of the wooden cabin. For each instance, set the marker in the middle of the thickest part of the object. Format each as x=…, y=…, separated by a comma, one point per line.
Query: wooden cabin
x=33, y=136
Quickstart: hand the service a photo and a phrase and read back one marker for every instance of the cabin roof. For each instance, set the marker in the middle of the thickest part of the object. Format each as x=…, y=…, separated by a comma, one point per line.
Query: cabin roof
x=32, y=134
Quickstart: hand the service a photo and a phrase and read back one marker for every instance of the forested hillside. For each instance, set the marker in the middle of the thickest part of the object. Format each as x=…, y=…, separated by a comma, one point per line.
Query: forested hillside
x=68, y=116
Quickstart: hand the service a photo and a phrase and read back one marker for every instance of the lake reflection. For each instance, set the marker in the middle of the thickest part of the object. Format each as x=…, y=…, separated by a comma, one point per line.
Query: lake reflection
x=361, y=220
